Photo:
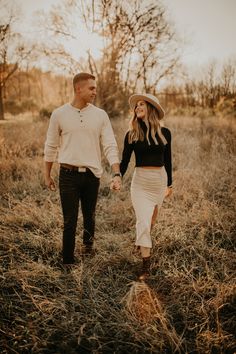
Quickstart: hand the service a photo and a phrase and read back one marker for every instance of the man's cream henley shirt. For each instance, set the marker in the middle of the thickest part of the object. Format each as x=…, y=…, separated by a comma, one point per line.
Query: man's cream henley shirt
x=74, y=137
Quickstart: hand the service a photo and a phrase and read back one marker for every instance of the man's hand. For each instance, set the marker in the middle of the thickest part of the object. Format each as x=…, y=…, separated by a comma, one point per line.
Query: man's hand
x=48, y=179
x=116, y=183
x=50, y=183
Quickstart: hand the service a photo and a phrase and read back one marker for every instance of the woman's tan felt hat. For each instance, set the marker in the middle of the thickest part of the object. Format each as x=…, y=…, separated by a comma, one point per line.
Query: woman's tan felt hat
x=149, y=98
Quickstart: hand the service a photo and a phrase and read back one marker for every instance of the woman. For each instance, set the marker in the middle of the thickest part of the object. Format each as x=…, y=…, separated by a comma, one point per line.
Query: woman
x=152, y=178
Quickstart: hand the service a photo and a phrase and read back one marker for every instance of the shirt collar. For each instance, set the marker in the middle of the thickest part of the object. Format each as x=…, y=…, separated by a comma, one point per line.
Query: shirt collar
x=89, y=105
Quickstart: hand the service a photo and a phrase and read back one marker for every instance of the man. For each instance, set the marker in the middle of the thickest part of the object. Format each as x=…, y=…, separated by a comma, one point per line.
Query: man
x=75, y=133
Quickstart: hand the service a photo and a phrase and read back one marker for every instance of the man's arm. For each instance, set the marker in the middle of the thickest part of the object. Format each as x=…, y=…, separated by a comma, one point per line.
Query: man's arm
x=50, y=150
x=111, y=152
x=116, y=177
x=115, y=168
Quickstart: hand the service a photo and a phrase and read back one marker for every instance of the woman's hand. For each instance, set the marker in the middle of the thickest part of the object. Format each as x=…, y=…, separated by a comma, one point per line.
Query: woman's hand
x=169, y=192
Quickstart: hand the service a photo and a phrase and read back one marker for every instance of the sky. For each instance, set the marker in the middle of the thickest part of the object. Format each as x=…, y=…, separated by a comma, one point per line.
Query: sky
x=207, y=27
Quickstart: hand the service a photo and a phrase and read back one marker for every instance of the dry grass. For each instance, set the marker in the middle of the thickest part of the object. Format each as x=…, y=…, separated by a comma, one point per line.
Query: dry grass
x=143, y=306
x=189, y=303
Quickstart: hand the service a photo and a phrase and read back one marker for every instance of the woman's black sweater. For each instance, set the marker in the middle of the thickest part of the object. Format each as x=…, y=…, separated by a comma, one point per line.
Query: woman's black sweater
x=149, y=155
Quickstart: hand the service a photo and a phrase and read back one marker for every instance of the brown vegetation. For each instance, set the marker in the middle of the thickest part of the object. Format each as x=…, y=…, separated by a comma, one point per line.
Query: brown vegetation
x=189, y=303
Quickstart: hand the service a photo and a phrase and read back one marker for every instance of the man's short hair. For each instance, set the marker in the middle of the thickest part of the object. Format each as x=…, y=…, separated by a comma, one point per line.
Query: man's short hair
x=82, y=77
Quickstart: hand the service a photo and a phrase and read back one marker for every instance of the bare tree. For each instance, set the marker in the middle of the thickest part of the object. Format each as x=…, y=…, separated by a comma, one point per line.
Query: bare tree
x=139, y=48
x=12, y=50
x=228, y=78
x=60, y=29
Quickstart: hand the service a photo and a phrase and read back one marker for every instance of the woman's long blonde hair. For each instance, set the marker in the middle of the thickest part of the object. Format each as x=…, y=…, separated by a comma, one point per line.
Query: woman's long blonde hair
x=153, y=124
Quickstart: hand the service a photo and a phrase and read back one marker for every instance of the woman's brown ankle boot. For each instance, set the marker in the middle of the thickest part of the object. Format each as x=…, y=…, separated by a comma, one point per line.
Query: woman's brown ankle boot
x=145, y=271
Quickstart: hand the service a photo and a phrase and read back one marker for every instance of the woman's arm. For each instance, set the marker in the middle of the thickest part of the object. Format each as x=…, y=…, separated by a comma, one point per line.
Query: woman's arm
x=168, y=157
x=126, y=155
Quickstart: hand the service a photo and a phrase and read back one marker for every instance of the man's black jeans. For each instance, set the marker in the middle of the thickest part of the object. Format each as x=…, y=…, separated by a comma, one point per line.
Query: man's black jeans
x=77, y=187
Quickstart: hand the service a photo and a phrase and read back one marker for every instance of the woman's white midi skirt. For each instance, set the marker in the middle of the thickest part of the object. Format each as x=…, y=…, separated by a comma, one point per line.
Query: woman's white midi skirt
x=148, y=189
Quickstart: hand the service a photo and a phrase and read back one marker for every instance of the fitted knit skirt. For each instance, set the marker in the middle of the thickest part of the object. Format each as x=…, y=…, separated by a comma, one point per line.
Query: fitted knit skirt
x=148, y=189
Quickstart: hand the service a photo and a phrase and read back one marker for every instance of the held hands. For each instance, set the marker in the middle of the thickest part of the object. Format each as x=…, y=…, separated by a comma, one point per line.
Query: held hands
x=116, y=183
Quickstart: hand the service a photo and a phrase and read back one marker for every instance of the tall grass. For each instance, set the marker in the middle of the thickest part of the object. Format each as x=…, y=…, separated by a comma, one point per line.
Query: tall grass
x=189, y=303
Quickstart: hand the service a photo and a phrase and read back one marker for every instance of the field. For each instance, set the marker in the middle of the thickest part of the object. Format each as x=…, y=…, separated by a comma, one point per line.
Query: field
x=189, y=303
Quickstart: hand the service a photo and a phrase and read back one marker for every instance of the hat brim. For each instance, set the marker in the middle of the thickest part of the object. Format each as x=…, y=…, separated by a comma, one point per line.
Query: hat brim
x=135, y=98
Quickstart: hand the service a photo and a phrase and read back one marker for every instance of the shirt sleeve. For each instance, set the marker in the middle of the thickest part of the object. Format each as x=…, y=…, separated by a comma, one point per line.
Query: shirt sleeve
x=126, y=155
x=168, y=157
x=108, y=141
x=52, y=139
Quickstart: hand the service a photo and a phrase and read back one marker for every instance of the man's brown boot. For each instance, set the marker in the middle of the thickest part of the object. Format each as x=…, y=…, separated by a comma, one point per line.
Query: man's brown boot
x=87, y=251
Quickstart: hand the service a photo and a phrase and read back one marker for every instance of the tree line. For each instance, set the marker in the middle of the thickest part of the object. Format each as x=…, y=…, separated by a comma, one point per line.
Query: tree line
x=215, y=89
x=140, y=53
